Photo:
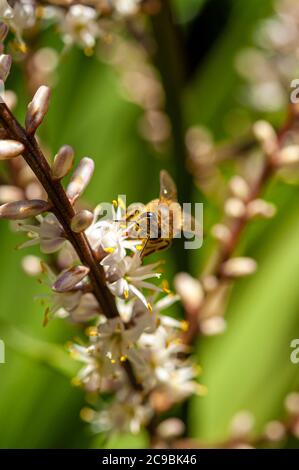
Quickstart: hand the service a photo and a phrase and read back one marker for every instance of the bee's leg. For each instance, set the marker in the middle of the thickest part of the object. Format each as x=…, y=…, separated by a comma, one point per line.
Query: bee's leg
x=142, y=253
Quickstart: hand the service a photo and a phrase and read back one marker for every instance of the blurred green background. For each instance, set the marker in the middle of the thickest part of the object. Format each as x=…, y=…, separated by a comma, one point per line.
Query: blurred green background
x=248, y=367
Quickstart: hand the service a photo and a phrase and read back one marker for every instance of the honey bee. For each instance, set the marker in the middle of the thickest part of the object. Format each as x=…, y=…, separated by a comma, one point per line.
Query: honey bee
x=161, y=219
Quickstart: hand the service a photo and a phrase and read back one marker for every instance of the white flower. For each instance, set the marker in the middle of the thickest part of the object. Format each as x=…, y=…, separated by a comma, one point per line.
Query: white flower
x=127, y=7
x=162, y=364
x=129, y=277
x=76, y=305
x=19, y=17
x=6, y=11
x=127, y=412
x=48, y=233
x=97, y=367
x=109, y=238
x=79, y=25
x=116, y=340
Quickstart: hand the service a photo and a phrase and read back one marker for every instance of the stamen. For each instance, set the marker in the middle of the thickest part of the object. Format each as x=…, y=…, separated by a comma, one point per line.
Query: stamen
x=184, y=326
x=109, y=250
x=91, y=331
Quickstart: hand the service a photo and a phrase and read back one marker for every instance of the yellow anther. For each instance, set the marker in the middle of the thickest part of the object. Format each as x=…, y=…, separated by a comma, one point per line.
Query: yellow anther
x=177, y=341
x=21, y=46
x=113, y=361
x=165, y=287
x=139, y=247
x=87, y=414
x=201, y=390
x=109, y=250
x=91, y=331
x=184, y=326
x=126, y=294
x=88, y=51
x=115, y=203
x=123, y=358
x=39, y=12
x=76, y=382
x=149, y=306
x=197, y=369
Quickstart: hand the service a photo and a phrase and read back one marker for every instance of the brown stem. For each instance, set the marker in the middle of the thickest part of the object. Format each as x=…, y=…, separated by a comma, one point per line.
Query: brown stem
x=62, y=208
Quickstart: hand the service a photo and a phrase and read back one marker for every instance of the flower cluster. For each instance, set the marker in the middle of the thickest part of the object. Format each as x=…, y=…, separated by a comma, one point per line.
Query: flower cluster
x=99, y=279
x=271, y=66
x=78, y=23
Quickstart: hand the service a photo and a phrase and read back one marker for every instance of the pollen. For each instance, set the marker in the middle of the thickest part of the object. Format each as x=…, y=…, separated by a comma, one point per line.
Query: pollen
x=113, y=361
x=139, y=247
x=185, y=325
x=91, y=331
x=115, y=203
x=21, y=46
x=76, y=382
x=126, y=294
x=123, y=358
x=109, y=250
x=165, y=287
x=88, y=51
x=87, y=414
x=149, y=306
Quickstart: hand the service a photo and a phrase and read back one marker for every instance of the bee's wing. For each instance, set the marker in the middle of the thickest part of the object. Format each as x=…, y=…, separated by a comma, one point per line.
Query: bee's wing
x=191, y=226
x=168, y=190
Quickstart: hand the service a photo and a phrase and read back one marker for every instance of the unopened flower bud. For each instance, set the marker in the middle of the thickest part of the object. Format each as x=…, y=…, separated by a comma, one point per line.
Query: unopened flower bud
x=32, y=265
x=37, y=109
x=10, y=194
x=63, y=162
x=260, y=208
x=10, y=149
x=239, y=187
x=3, y=31
x=292, y=403
x=242, y=424
x=9, y=98
x=275, y=431
x=190, y=290
x=5, y=64
x=70, y=278
x=234, y=207
x=267, y=137
x=242, y=446
x=170, y=428
x=23, y=209
x=210, y=283
x=80, y=178
x=221, y=233
x=213, y=326
x=288, y=155
x=81, y=221
x=239, y=267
